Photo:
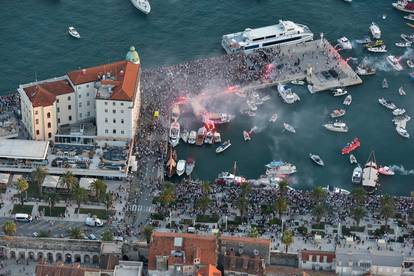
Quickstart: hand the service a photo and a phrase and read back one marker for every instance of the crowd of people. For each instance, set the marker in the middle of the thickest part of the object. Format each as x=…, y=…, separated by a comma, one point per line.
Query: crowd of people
x=9, y=102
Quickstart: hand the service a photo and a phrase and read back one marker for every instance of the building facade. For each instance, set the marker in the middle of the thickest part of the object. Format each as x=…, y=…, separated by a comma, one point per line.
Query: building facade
x=317, y=260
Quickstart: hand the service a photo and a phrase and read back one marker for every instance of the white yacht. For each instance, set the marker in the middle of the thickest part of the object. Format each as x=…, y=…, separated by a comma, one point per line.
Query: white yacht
x=404, y=44
x=174, y=134
x=335, y=190
x=345, y=43
x=73, y=32
x=217, y=137
x=379, y=49
x=348, y=100
x=180, y=167
x=375, y=31
x=339, y=92
x=283, y=33
x=402, y=132
x=370, y=174
x=365, y=70
x=192, y=137
x=317, y=159
x=394, y=62
x=142, y=5
x=289, y=128
x=357, y=175
x=398, y=111
x=287, y=95
x=336, y=126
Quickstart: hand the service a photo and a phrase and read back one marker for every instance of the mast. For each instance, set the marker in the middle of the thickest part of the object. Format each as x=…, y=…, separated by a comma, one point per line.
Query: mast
x=234, y=168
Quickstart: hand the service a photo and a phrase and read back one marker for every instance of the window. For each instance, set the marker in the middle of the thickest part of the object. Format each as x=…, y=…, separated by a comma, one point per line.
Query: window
x=88, y=103
x=58, y=120
x=37, y=121
x=49, y=135
x=80, y=104
x=87, y=86
x=57, y=100
x=114, y=120
x=122, y=104
x=80, y=96
x=114, y=131
x=69, y=107
x=49, y=125
x=106, y=110
x=80, y=115
x=70, y=118
x=37, y=132
x=68, y=98
x=106, y=131
x=106, y=103
x=106, y=120
x=122, y=132
x=48, y=115
x=122, y=121
x=87, y=94
x=114, y=111
x=122, y=111
x=57, y=109
x=89, y=114
x=36, y=112
x=113, y=103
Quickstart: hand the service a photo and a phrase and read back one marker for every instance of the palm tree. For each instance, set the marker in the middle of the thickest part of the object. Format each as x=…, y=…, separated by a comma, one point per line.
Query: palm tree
x=109, y=200
x=38, y=176
x=53, y=198
x=387, y=208
x=205, y=187
x=287, y=239
x=318, y=211
x=68, y=180
x=358, y=213
x=75, y=233
x=99, y=188
x=79, y=194
x=9, y=228
x=148, y=232
x=253, y=233
x=203, y=203
x=358, y=194
x=283, y=187
x=318, y=194
x=281, y=206
x=107, y=236
x=167, y=195
x=22, y=186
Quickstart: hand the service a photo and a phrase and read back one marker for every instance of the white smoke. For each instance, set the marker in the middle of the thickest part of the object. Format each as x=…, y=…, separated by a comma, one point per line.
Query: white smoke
x=401, y=170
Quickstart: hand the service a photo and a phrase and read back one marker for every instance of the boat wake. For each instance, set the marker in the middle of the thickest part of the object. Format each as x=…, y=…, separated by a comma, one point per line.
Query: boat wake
x=401, y=170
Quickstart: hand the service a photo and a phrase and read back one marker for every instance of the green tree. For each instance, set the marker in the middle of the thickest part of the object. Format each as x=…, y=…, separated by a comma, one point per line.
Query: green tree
x=43, y=234
x=22, y=186
x=68, y=180
x=253, y=233
x=167, y=195
x=148, y=232
x=358, y=213
x=387, y=208
x=358, y=194
x=37, y=176
x=281, y=206
x=109, y=200
x=9, y=228
x=107, y=236
x=283, y=187
x=318, y=194
x=75, y=233
x=79, y=194
x=203, y=202
x=287, y=239
x=319, y=211
x=52, y=198
x=205, y=187
x=99, y=188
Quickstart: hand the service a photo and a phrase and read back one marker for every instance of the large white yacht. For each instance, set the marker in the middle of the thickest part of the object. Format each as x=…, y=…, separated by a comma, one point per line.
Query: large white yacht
x=286, y=32
x=142, y=5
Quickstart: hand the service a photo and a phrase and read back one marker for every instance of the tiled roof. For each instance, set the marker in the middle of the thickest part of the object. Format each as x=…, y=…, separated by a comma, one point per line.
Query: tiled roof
x=265, y=242
x=125, y=74
x=193, y=246
x=209, y=270
x=60, y=269
x=44, y=94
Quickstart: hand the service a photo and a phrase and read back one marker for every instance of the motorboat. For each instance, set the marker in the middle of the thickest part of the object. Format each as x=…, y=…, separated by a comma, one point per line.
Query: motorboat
x=201, y=133
x=408, y=38
x=298, y=82
x=402, y=132
x=217, y=118
x=353, y=145
x=404, y=44
x=273, y=118
x=142, y=5
x=189, y=166
x=283, y=33
x=192, y=137
x=180, y=167
x=337, y=126
x=401, y=91
x=394, y=62
x=217, y=137
x=280, y=168
x=223, y=146
x=339, y=92
x=208, y=139
x=409, y=17
x=73, y=32
x=375, y=31
x=384, y=16
x=345, y=43
x=289, y=128
x=337, y=113
x=274, y=164
x=398, y=111
x=335, y=190
x=370, y=174
x=379, y=49
x=352, y=159
x=174, y=134
x=287, y=95
x=384, y=83
x=410, y=63
x=348, y=100
x=246, y=136
x=229, y=178
x=404, y=5
x=357, y=175
x=364, y=70
x=310, y=88
x=317, y=159
x=386, y=171
x=184, y=135
x=386, y=103
x=365, y=40
x=374, y=43
x=400, y=120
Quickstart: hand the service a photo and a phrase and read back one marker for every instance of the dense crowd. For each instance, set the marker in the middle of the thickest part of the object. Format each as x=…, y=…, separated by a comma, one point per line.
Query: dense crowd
x=9, y=102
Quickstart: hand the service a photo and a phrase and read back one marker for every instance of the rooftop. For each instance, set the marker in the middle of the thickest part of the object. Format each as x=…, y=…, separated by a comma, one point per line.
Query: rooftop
x=23, y=149
x=44, y=93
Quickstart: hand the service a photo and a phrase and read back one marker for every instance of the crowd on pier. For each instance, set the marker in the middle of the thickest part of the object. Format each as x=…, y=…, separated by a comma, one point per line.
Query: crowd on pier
x=9, y=102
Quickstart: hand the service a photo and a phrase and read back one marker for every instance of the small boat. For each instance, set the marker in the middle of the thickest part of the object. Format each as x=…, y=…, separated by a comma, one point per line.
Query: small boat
x=273, y=118
x=201, y=133
x=375, y=43
x=339, y=92
x=352, y=159
x=246, y=136
x=410, y=63
x=402, y=132
x=289, y=128
x=192, y=137
x=375, y=31
x=408, y=38
x=317, y=159
x=364, y=70
x=298, y=82
x=403, y=44
x=337, y=113
x=335, y=190
x=217, y=137
x=365, y=40
x=287, y=95
x=336, y=126
x=398, y=111
x=386, y=171
x=180, y=167
x=356, y=143
x=357, y=175
x=345, y=43
x=398, y=120
x=174, y=134
x=217, y=118
x=387, y=104
x=409, y=17
x=184, y=135
x=347, y=100
x=310, y=89
x=384, y=83
x=189, y=166
x=394, y=62
x=410, y=25
x=142, y=5
x=379, y=49
x=73, y=32
x=223, y=146
x=405, y=6
x=370, y=174
x=208, y=139
x=401, y=91
x=280, y=168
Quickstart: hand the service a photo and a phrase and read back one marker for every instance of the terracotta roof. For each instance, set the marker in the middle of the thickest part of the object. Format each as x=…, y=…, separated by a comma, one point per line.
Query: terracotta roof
x=44, y=94
x=202, y=247
x=266, y=242
x=330, y=255
x=244, y=264
x=125, y=74
x=60, y=269
x=209, y=270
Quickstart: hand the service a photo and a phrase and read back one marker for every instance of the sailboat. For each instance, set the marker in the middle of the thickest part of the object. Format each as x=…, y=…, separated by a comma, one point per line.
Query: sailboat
x=370, y=174
x=230, y=178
